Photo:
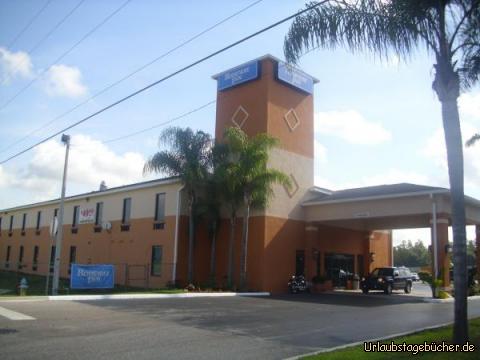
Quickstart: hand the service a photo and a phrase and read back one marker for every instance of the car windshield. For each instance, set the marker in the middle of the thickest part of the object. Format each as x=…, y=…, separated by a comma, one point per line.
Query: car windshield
x=382, y=272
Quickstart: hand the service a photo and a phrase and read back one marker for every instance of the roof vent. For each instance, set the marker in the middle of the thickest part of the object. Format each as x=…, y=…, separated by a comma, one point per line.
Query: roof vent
x=103, y=186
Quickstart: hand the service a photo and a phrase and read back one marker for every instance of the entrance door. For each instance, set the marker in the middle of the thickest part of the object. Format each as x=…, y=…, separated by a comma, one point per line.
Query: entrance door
x=300, y=263
x=339, y=268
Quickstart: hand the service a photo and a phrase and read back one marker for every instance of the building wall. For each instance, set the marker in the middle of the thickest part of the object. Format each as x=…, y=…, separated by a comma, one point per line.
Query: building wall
x=129, y=250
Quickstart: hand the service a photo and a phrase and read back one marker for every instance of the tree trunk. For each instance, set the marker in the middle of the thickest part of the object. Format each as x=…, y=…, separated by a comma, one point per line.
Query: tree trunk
x=191, y=234
x=213, y=252
x=447, y=87
x=243, y=261
x=231, y=245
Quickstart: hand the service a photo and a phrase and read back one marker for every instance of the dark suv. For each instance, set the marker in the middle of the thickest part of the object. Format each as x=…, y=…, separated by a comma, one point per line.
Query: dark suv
x=388, y=279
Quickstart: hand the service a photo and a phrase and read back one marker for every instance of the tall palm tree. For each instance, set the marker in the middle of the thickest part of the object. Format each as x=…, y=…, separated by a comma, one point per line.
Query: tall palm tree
x=230, y=190
x=448, y=29
x=188, y=157
x=255, y=179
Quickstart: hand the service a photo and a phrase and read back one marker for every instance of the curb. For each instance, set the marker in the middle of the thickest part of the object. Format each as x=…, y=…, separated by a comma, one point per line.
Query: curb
x=341, y=347
x=448, y=300
x=151, y=296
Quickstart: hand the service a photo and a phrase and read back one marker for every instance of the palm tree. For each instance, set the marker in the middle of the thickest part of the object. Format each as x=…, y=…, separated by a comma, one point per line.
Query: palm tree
x=448, y=29
x=188, y=157
x=230, y=193
x=255, y=179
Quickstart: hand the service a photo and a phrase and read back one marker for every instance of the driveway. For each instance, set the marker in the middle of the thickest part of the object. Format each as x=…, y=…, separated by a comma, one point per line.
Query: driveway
x=210, y=328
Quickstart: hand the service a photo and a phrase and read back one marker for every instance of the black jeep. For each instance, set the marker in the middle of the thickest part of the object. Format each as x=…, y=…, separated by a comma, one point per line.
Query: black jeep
x=388, y=279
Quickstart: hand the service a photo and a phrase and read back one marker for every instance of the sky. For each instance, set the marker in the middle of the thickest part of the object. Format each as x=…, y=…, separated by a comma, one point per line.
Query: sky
x=376, y=121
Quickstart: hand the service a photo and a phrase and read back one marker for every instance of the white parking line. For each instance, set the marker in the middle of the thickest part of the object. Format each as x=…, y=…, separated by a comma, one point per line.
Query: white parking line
x=13, y=315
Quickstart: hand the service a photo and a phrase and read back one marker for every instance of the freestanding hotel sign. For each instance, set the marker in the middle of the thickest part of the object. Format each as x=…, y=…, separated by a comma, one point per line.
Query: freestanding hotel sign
x=92, y=276
x=294, y=77
x=239, y=75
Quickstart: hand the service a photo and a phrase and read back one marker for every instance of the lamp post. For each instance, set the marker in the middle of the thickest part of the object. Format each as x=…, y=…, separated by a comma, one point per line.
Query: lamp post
x=58, y=243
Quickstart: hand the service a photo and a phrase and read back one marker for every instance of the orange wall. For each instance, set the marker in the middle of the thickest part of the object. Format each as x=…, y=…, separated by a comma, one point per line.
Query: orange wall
x=112, y=247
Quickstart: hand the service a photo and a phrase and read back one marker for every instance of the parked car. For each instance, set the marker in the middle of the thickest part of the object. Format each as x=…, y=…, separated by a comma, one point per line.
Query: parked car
x=388, y=279
x=415, y=277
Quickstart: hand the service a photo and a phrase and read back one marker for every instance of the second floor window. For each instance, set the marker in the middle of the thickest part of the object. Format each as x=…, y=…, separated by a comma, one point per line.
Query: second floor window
x=7, y=258
x=11, y=224
x=99, y=214
x=39, y=220
x=0, y=223
x=76, y=214
x=35, y=258
x=160, y=207
x=20, y=255
x=127, y=208
x=24, y=221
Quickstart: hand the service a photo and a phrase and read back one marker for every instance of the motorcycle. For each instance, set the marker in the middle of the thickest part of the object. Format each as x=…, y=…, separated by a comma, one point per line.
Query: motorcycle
x=298, y=284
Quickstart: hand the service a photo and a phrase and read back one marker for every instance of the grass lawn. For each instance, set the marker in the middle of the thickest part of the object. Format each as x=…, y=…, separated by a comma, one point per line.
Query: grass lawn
x=437, y=335
x=36, y=286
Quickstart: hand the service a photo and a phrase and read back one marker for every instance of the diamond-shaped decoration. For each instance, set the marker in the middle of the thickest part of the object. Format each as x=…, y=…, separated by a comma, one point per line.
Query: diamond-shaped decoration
x=292, y=120
x=293, y=190
x=240, y=116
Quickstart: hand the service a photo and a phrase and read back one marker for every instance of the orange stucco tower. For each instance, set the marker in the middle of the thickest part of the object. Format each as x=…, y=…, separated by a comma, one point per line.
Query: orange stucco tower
x=266, y=95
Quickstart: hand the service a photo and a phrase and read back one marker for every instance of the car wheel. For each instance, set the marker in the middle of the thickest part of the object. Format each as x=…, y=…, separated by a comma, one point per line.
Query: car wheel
x=365, y=291
x=408, y=288
x=388, y=289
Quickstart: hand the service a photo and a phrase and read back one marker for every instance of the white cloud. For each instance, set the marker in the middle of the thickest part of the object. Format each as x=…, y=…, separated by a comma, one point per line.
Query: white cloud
x=63, y=80
x=351, y=126
x=436, y=151
x=320, y=152
x=90, y=162
x=469, y=105
x=14, y=64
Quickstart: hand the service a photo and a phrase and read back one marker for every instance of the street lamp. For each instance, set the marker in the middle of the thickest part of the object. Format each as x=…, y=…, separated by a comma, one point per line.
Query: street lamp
x=58, y=242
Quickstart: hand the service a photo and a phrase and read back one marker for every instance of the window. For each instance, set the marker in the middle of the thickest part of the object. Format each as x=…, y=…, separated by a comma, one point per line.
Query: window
x=99, y=214
x=7, y=258
x=24, y=223
x=0, y=225
x=11, y=224
x=156, y=265
x=160, y=207
x=127, y=207
x=35, y=258
x=76, y=214
x=52, y=258
x=72, y=257
x=55, y=213
x=20, y=258
x=39, y=220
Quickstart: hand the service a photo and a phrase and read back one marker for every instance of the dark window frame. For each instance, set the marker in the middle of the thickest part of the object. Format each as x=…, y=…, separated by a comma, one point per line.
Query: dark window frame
x=126, y=219
x=156, y=261
x=24, y=221
x=21, y=254
x=7, y=256
x=10, y=228
x=39, y=220
x=76, y=216
x=99, y=213
x=36, y=251
x=160, y=199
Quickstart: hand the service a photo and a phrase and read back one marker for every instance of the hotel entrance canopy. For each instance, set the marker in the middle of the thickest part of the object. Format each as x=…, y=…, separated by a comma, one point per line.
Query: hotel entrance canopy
x=384, y=207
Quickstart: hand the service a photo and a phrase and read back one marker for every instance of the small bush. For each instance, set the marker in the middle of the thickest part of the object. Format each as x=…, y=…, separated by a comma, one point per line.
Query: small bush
x=443, y=295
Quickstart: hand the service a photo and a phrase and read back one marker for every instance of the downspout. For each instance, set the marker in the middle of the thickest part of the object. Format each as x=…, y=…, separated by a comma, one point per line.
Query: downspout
x=175, y=244
x=434, y=237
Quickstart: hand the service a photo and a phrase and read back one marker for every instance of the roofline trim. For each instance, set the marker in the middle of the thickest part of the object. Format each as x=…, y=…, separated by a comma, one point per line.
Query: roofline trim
x=267, y=56
x=377, y=197
x=130, y=187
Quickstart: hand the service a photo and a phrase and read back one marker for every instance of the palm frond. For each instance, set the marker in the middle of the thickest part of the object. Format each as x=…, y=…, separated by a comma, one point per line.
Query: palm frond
x=472, y=140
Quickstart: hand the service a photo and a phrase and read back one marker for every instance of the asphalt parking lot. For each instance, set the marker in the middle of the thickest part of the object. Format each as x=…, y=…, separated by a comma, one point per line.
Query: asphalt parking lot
x=210, y=328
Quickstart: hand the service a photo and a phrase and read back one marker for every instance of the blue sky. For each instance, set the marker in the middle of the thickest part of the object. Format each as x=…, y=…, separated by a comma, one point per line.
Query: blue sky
x=376, y=122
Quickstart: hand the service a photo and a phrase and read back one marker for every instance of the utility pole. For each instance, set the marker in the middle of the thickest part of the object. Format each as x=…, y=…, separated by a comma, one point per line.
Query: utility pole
x=58, y=243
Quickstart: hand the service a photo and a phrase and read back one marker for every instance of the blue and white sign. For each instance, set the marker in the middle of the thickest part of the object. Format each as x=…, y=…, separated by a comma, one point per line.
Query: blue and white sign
x=92, y=276
x=294, y=77
x=239, y=75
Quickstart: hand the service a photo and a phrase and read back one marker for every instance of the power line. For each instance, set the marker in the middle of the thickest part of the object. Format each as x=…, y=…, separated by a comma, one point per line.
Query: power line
x=145, y=88
x=138, y=132
x=129, y=75
x=94, y=29
x=29, y=23
x=47, y=35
